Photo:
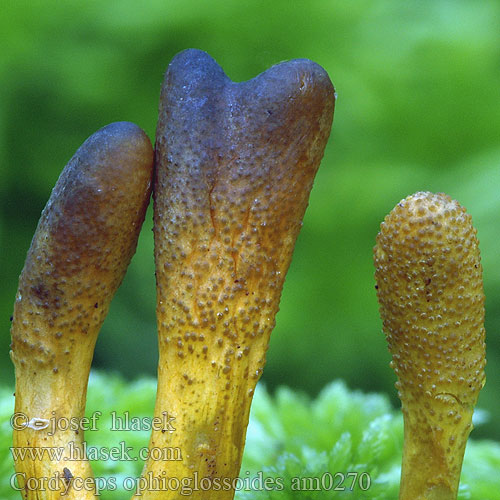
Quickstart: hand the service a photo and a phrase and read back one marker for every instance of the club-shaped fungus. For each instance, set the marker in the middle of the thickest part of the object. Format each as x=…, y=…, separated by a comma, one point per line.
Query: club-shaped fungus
x=430, y=290
x=82, y=246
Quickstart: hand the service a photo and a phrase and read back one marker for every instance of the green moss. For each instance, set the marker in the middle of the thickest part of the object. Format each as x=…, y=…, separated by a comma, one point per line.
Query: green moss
x=292, y=441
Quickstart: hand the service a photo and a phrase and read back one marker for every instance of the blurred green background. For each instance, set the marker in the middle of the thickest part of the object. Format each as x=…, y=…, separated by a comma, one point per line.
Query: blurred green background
x=418, y=108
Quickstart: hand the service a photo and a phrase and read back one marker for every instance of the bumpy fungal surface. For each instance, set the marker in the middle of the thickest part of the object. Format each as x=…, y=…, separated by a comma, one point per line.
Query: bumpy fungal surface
x=82, y=246
x=430, y=290
x=235, y=163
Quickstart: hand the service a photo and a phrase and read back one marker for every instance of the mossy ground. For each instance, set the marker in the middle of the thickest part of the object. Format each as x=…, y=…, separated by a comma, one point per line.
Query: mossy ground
x=342, y=443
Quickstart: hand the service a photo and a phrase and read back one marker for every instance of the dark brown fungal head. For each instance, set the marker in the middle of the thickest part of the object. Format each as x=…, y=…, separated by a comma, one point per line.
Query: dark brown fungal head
x=82, y=246
x=101, y=185
x=236, y=162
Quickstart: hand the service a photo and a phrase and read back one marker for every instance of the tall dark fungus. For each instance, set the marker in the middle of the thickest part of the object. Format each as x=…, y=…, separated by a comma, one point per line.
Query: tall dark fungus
x=235, y=163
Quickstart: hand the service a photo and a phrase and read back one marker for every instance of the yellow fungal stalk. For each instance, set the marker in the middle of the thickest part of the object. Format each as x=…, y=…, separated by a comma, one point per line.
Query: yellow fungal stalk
x=234, y=166
x=430, y=289
x=82, y=246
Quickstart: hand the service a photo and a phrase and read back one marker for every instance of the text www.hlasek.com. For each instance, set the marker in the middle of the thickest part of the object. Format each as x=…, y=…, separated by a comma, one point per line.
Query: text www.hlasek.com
x=83, y=452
